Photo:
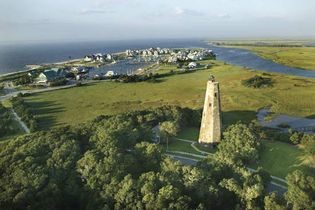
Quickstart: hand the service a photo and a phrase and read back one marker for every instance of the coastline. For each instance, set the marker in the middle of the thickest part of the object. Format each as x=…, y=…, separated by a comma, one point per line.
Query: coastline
x=46, y=64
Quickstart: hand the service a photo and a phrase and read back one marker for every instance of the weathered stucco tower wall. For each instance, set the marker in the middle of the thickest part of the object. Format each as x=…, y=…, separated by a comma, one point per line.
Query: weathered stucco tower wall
x=210, y=130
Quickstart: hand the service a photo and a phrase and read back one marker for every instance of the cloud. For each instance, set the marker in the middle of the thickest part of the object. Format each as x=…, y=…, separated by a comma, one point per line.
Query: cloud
x=223, y=16
x=178, y=11
x=95, y=11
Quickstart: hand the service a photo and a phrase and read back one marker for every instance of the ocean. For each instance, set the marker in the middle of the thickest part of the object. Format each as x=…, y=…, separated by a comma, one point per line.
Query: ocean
x=15, y=57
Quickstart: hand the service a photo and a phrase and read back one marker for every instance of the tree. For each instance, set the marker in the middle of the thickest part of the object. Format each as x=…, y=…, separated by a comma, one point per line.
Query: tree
x=301, y=191
x=148, y=156
x=296, y=137
x=308, y=143
x=239, y=145
x=273, y=202
x=169, y=129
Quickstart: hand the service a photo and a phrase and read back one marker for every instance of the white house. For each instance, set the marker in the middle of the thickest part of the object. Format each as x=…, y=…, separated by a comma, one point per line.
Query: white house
x=192, y=65
x=88, y=58
x=110, y=73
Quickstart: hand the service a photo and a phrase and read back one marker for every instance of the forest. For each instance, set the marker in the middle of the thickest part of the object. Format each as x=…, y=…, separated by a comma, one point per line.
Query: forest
x=110, y=163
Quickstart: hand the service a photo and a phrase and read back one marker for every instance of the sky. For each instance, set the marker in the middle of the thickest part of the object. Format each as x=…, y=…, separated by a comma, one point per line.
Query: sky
x=57, y=20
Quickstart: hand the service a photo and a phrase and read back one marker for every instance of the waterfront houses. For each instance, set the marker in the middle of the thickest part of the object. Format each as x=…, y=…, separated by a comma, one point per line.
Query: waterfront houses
x=50, y=75
x=98, y=57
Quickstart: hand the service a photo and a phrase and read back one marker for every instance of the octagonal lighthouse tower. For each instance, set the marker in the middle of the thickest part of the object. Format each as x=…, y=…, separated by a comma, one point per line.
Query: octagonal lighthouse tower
x=210, y=130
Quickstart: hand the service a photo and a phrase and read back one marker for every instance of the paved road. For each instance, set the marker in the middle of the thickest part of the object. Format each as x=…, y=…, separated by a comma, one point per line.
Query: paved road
x=272, y=186
x=15, y=93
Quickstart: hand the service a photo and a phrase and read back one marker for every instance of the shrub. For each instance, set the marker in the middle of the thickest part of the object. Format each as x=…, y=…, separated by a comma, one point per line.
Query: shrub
x=296, y=137
x=58, y=82
x=258, y=82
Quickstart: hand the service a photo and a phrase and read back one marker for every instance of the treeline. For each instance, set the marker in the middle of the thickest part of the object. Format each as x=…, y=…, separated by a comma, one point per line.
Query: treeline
x=24, y=112
x=109, y=163
x=5, y=121
x=262, y=44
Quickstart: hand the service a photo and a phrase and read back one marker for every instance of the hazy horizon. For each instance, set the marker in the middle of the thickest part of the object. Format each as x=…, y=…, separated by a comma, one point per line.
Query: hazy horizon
x=106, y=20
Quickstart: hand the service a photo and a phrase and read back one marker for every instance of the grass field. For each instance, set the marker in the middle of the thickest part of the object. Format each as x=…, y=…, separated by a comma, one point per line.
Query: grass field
x=290, y=95
x=279, y=158
x=298, y=57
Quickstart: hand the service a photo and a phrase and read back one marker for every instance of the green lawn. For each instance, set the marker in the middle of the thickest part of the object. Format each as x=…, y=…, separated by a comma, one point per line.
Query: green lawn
x=290, y=95
x=189, y=133
x=279, y=158
x=176, y=145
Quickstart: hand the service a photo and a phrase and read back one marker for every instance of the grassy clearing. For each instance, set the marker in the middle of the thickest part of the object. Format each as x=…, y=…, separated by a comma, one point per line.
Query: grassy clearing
x=279, y=158
x=298, y=57
x=290, y=95
x=176, y=145
x=189, y=133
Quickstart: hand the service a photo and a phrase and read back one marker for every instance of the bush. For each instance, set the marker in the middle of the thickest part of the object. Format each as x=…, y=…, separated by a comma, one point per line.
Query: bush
x=23, y=80
x=296, y=137
x=258, y=82
x=58, y=82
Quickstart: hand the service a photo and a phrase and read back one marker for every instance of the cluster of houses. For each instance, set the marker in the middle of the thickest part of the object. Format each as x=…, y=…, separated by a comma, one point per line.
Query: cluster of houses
x=170, y=55
x=161, y=55
x=189, y=55
x=98, y=57
x=148, y=52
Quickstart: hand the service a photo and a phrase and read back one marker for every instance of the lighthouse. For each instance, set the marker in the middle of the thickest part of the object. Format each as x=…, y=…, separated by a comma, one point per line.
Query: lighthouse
x=211, y=123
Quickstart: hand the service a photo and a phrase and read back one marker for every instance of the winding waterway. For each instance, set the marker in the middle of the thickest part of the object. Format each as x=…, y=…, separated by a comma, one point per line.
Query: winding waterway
x=246, y=58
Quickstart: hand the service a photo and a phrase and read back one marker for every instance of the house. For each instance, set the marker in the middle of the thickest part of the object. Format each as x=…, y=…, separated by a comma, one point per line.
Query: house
x=77, y=69
x=192, y=65
x=88, y=58
x=50, y=75
x=109, y=57
x=110, y=73
x=32, y=74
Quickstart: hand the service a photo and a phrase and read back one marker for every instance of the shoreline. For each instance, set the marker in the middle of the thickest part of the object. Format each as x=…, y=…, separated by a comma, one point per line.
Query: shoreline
x=45, y=64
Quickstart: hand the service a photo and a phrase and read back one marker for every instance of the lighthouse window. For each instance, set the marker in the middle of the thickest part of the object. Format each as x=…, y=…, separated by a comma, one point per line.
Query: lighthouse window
x=215, y=94
x=209, y=104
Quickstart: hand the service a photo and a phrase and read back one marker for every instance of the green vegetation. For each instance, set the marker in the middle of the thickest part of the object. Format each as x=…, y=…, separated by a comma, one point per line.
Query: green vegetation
x=189, y=133
x=109, y=164
x=271, y=155
x=301, y=191
x=24, y=112
x=290, y=95
x=298, y=57
x=279, y=159
x=9, y=127
x=258, y=82
x=58, y=82
x=6, y=122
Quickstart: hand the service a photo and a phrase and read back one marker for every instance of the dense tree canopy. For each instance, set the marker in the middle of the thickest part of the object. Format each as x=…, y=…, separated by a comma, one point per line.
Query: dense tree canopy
x=109, y=163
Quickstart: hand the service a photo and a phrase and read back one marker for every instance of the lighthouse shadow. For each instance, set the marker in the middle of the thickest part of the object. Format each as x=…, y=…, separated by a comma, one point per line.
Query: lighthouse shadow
x=232, y=117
